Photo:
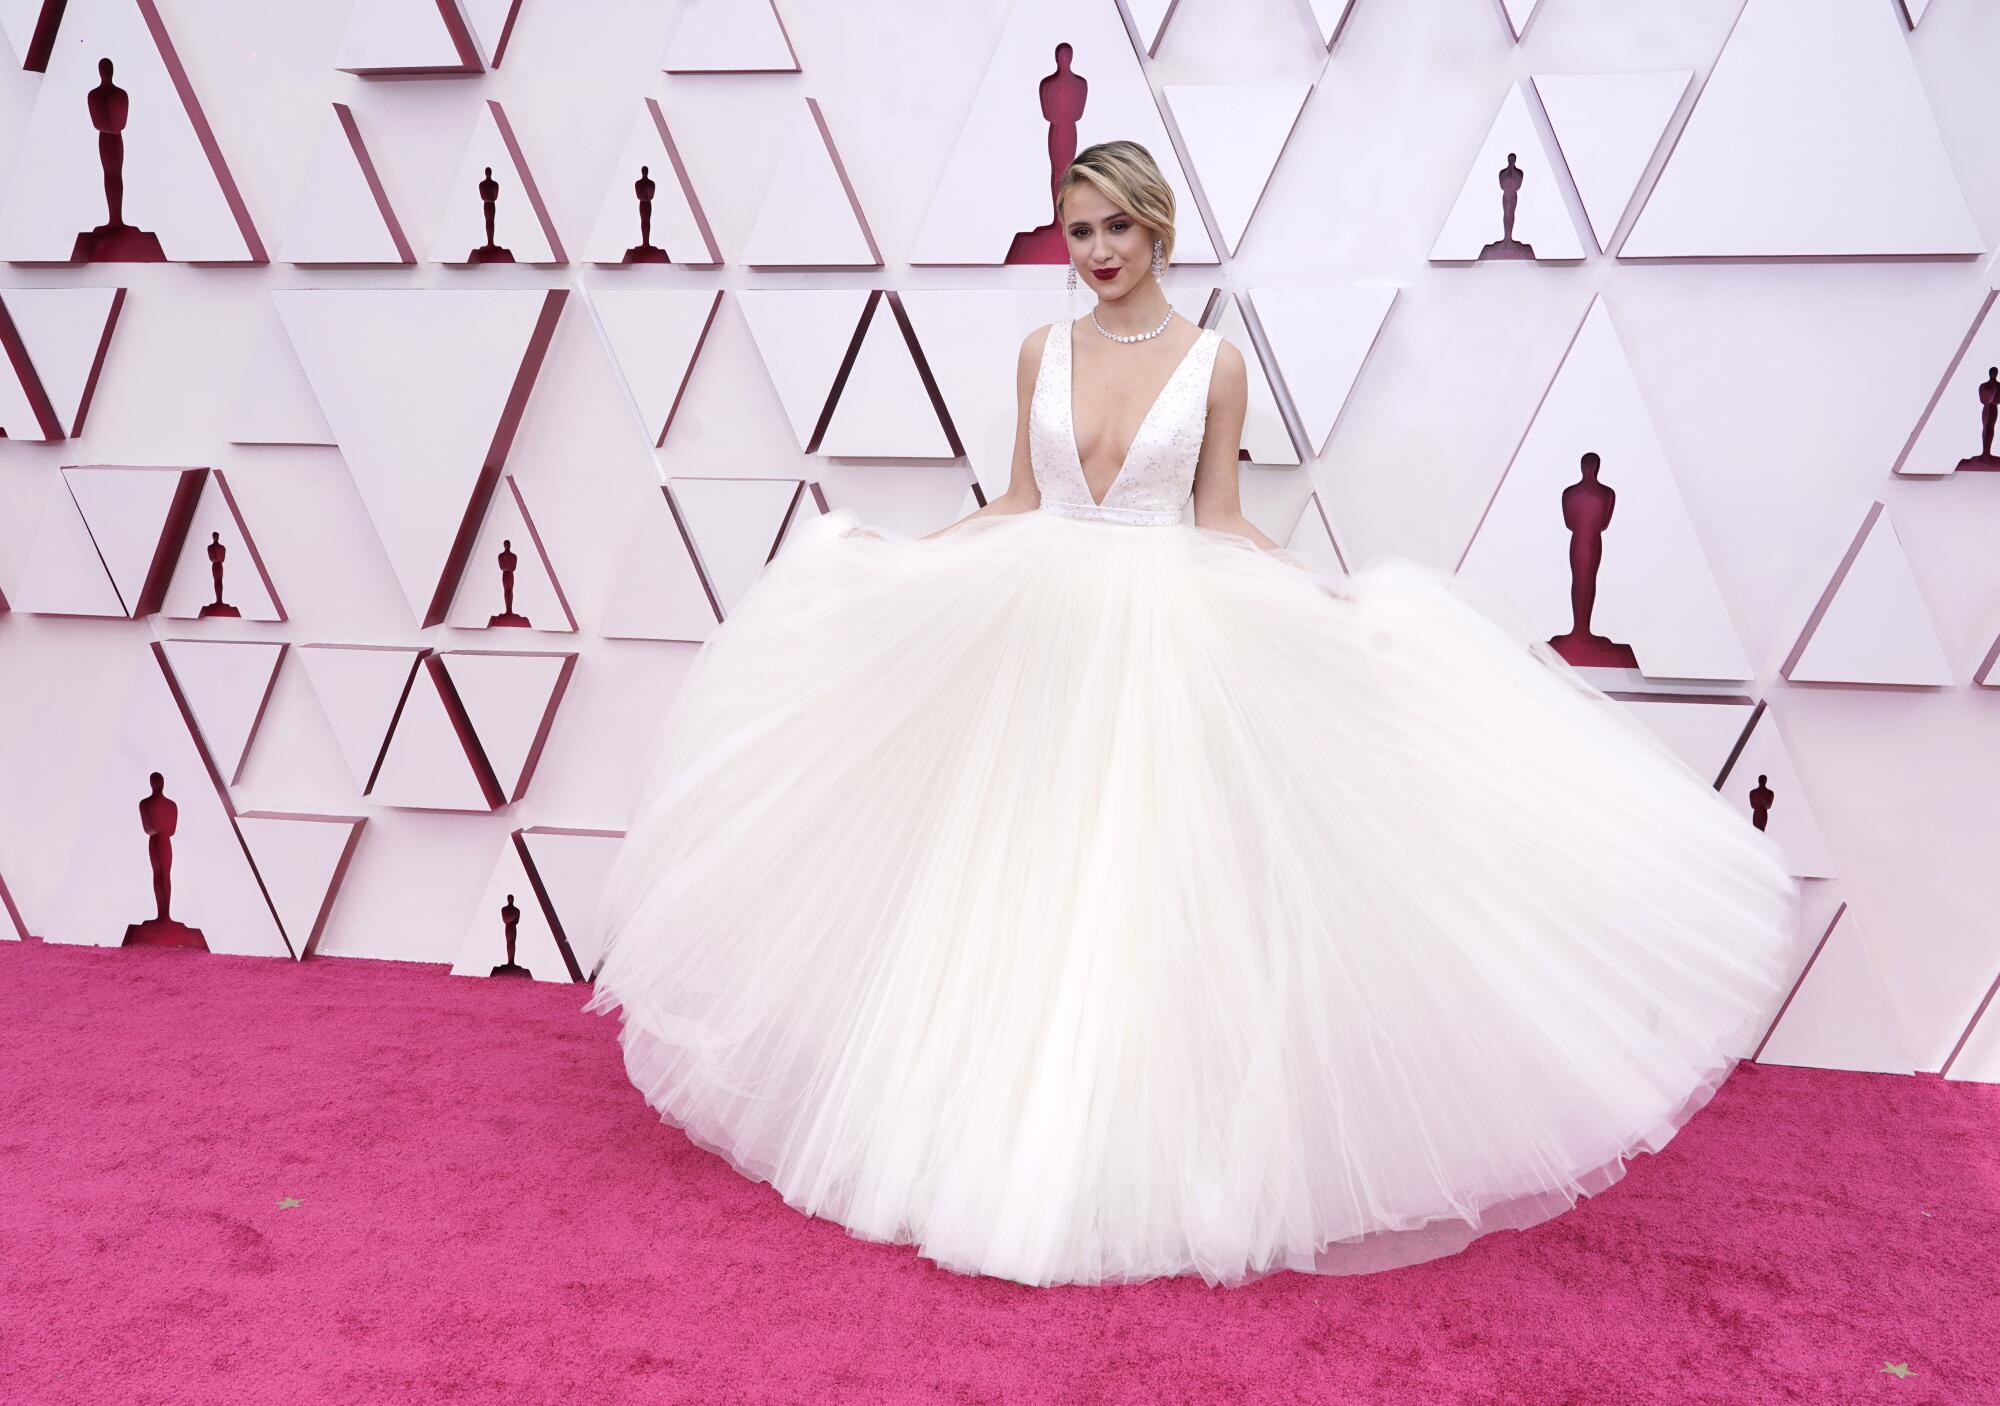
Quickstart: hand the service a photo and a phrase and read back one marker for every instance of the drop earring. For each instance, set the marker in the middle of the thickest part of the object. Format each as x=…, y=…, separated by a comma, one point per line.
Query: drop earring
x=1159, y=259
x=1069, y=292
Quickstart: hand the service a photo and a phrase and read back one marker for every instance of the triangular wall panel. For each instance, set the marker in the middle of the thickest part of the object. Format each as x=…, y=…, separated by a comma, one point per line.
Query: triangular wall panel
x=1320, y=338
x=999, y=182
x=810, y=217
x=671, y=227
x=884, y=406
x=361, y=689
x=1607, y=126
x=730, y=36
x=302, y=860
x=343, y=215
x=510, y=698
x=1763, y=762
x=1870, y=625
x=806, y=336
x=1840, y=1015
x=482, y=598
x=736, y=525
x=424, y=389
x=218, y=541
x=1513, y=153
x=1265, y=438
x=407, y=39
x=522, y=232
x=274, y=401
x=138, y=519
x=659, y=593
x=65, y=574
x=1235, y=133
x=1812, y=137
x=653, y=336
x=30, y=28
x=227, y=685
x=55, y=341
x=1655, y=593
x=514, y=900
x=1953, y=433
x=108, y=885
x=180, y=203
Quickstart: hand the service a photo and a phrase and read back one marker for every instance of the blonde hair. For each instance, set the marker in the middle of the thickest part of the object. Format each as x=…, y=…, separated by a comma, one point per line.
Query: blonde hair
x=1128, y=177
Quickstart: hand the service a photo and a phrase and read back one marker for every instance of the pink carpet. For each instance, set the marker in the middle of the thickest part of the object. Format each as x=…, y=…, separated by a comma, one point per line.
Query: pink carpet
x=231, y=1179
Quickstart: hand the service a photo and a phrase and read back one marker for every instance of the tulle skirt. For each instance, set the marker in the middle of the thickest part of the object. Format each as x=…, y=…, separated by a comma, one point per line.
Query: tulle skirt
x=1081, y=902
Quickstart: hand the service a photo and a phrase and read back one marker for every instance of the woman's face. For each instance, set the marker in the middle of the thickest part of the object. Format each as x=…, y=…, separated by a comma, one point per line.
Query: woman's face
x=1112, y=252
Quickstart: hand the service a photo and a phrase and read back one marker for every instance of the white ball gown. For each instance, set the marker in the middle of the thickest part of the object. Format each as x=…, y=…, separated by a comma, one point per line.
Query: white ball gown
x=1085, y=896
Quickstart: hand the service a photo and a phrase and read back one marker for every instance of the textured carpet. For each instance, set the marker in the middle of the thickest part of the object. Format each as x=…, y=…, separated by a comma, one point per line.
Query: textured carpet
x=229, y=1179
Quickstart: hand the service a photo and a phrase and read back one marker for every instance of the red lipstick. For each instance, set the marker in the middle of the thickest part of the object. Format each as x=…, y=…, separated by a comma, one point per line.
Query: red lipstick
x=1104, y=275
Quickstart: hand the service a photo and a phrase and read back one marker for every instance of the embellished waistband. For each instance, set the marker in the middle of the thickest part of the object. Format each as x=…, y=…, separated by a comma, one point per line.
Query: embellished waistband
x=1136, y=517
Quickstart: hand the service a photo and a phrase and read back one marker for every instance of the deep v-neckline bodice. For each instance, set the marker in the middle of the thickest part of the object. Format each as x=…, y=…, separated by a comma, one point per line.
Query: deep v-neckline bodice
x=1067, y=390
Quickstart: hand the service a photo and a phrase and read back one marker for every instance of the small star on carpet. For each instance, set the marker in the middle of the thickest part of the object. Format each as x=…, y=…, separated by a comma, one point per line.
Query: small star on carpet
x=1898, y=1369
x=289, y=1202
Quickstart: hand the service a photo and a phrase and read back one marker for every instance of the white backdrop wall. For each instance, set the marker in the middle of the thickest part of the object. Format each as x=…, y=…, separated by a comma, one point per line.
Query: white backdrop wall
x=1783, y=391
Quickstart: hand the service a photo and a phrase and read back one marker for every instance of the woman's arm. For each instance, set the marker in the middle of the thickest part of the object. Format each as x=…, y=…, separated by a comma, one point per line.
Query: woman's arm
x=1023, y=494
x=1217, y=505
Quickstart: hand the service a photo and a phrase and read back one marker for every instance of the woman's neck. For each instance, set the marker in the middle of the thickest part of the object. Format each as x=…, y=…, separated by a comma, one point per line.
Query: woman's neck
x=1141, y=310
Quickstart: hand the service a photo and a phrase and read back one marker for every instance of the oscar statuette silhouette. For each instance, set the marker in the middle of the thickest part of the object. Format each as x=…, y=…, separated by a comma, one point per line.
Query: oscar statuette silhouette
x=114, y=241
x=1506, y=246
x=508, y=561
x=1989, y=407
x=159, y=817
x=216, y=552
x=511, y=917
x=489, y=199
x=645, y=252
x=1761, y=796
x=1586, y=510
x=1062, y=96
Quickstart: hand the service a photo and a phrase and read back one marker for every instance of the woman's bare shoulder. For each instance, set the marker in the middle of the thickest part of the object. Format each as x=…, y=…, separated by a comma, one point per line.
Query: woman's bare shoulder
x=1230, y=379
x=1030, y=358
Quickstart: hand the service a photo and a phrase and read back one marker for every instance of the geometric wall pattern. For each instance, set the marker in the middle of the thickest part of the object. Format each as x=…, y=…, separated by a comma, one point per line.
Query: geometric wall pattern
x=384, y=554
x=998, y=182
x=343, y=215
x=1514, y=202
x=1811, y=136
x=650, y=214
x=55, y=341
x=1607, y=127
x=115, y=79
x=1592, y=470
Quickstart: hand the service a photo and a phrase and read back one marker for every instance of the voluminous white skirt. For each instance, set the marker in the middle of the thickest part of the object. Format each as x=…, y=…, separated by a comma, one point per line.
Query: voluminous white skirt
x=1084, y=902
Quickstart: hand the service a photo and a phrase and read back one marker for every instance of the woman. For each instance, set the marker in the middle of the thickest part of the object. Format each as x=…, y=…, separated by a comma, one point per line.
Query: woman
x=1085, y=896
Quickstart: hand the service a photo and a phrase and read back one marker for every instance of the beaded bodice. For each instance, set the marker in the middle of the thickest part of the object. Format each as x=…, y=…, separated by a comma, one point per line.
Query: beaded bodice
x=1157, y=477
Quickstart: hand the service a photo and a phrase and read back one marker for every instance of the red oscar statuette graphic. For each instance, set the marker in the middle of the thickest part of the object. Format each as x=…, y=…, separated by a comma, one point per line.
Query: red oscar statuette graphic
x=114, y=241
x=511, y=917
x=1062, y=94
x=1989, y=406
x=218, y=606
x=489, y=252
x=1506, y=246
x=645, y=252
x=1586, y=510
x=508, y=560
x=159, y=816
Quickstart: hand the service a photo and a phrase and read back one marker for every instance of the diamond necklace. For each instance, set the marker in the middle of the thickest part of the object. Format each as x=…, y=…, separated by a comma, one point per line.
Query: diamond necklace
x=1134, y=336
